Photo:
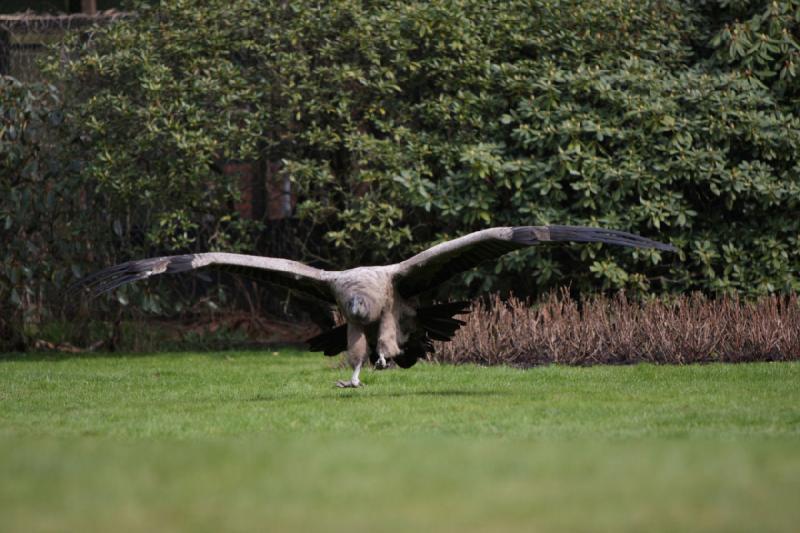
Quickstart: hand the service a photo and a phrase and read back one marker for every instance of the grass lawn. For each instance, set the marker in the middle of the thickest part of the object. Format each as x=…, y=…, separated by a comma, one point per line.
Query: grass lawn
x=244, y=441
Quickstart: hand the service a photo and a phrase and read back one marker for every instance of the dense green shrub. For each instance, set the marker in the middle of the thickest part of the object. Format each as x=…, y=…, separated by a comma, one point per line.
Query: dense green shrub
x=403, y=123
x=700, y=157
x=155, y=113
x=761, y=39
x=39, y=200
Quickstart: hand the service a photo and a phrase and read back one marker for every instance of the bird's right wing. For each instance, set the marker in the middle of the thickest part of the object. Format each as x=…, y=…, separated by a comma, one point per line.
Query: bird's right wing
x=430, y=268
x=284, y=272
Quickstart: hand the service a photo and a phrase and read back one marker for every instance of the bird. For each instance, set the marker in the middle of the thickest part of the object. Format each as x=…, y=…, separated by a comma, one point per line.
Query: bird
x=383, y=319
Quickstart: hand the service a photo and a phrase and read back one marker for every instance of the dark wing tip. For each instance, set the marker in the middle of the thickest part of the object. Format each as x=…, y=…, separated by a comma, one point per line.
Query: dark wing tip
x=533, y=234
x=108, y=279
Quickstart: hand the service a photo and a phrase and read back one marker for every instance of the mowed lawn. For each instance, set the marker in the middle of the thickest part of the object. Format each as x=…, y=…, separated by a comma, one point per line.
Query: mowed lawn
x=261, y=441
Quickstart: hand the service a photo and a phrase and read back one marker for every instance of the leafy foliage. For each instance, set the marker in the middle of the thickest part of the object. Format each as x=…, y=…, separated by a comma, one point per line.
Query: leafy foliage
x=761, y=39
x=403, y=123
x=38, y=203
x=703, y=158
x=155, y=112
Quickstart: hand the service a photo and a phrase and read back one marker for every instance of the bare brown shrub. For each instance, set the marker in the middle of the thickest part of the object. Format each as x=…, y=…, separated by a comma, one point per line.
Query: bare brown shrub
x=618, y=330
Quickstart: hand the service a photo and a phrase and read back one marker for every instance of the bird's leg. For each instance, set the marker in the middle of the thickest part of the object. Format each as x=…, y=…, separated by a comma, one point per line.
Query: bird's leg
x=357, y=352
x=354, y=381
x=387, y=340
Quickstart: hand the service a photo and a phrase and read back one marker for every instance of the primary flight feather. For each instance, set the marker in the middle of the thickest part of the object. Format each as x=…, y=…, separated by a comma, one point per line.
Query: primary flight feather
x=382, y=320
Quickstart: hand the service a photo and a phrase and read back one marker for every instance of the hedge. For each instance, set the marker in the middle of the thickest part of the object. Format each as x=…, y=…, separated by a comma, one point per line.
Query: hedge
x=40, y=205
x=404, y=123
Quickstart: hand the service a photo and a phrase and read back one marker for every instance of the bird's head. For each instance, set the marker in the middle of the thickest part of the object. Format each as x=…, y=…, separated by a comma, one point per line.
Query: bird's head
x=358, y=307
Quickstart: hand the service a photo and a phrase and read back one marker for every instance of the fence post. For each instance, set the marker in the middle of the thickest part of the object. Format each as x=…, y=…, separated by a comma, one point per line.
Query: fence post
x=5, y=52
x=89, y=7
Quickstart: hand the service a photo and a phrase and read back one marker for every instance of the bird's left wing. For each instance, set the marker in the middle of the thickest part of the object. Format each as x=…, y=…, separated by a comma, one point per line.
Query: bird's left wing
x=284, y=272
x=428, y=269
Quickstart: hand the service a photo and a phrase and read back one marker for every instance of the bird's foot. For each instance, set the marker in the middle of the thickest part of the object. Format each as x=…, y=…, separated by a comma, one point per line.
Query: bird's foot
x=349, y=384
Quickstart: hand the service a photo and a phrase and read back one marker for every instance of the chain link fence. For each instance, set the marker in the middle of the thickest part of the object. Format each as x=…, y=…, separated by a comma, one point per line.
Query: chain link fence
x=25, y=37
x=266, y=196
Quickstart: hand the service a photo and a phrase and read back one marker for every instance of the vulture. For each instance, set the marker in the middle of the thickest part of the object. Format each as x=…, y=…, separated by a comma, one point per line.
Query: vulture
x=383, y=320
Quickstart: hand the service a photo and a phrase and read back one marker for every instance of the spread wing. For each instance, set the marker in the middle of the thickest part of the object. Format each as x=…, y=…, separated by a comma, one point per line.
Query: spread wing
x=284, y=272
x=436, y=265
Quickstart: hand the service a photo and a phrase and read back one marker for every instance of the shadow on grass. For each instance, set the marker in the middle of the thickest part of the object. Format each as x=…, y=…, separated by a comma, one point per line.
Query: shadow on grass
x=337, y=394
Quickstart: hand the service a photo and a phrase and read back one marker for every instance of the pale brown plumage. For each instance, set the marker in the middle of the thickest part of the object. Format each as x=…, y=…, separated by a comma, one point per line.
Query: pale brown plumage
x=382, y=321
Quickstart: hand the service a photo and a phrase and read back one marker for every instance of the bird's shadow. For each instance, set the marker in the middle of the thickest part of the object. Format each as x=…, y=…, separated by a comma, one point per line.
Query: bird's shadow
x=339, y=394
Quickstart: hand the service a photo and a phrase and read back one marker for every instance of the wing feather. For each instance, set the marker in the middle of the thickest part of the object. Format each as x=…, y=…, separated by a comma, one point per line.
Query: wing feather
x=430, y=268
x=284, y=272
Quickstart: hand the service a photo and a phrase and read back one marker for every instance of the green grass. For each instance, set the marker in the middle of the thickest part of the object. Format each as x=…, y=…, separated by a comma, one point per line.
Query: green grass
x=245, y=441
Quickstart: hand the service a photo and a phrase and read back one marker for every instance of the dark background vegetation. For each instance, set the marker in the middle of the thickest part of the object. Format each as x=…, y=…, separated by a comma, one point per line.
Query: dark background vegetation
x=59, y=6
x=399, y=124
